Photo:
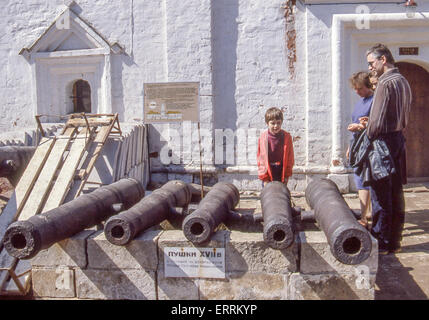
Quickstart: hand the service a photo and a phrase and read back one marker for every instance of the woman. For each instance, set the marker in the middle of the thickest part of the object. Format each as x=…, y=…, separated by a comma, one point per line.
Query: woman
x=361, y=84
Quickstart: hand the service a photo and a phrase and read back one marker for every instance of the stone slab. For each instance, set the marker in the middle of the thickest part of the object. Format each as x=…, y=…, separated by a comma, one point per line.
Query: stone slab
x=182, y=288
x=316, y=256
x=177, y=288
x=247, y=252
x=115, y=284
x=54, y=282
x=331, y=287
x=140, y=253
x=69, y=252
x=248, y=286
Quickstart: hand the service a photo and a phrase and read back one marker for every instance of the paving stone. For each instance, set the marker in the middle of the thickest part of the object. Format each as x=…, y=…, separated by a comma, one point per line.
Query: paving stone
x=53, y=282
x=247, y=252
x=316, y=256
x=140, y=253
x=331, y=287
x=69, y=252
x=403, y=276
x=247, y=286
x=115, y=284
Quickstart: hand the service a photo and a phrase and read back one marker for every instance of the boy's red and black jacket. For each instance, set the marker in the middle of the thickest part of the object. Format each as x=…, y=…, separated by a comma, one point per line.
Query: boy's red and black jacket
x=264, y=170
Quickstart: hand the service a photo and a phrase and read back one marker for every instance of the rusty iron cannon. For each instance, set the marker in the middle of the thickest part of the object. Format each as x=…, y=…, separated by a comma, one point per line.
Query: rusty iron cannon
x=151, y=210
x=349, y=241
x=277, y=215
x=13, y=161
x=24, y=239
x=213, y=209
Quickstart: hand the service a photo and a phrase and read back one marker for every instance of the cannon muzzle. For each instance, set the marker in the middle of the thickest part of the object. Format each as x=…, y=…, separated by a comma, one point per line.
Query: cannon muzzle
x=212, y=210
x=13, y=161
x=277, y=215
x=349, y=241
x=24, y=239
x=151, y=210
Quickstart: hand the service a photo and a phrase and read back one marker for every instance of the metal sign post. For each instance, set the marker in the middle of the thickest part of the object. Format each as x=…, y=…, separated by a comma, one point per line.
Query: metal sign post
x=201, y=162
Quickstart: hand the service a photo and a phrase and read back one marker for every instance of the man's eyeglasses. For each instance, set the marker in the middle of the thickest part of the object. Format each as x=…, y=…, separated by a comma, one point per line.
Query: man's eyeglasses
x=371, y=63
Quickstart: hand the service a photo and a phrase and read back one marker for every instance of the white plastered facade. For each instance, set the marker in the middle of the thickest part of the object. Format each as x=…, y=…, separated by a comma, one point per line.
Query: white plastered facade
x=246, y=55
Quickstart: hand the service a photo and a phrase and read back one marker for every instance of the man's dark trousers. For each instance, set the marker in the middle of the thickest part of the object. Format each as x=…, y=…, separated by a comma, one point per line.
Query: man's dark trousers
x=387, y=197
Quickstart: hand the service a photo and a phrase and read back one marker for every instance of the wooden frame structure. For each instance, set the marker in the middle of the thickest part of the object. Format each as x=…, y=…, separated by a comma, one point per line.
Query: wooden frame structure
x=60, y=167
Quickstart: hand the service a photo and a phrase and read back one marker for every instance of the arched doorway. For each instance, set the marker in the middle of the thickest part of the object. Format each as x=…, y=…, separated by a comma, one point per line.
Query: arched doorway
x=417, y=129
x=81, y=96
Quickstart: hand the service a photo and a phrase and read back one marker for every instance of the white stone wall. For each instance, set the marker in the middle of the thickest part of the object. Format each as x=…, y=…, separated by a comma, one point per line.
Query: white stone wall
x=247, y=56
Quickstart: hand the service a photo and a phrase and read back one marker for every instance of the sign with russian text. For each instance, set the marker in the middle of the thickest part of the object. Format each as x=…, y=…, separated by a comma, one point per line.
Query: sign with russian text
x=171, y=102
x=190, y=262
x=409, y=51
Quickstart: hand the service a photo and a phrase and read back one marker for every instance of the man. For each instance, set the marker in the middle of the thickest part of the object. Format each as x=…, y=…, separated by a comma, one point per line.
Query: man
x=387, y=119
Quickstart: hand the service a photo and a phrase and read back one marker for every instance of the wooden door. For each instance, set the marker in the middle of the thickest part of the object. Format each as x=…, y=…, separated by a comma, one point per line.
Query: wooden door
x=417, y=129
x=81, y=96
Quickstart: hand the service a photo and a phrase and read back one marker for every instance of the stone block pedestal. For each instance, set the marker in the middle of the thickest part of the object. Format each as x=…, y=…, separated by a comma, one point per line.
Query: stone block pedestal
x=87, y=266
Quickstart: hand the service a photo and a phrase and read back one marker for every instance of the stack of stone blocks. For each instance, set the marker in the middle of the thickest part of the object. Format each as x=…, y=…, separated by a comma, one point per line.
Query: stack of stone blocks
x=87, y=266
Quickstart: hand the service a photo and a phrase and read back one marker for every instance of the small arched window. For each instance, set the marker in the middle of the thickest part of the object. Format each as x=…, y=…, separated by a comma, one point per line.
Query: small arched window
x=81, y=97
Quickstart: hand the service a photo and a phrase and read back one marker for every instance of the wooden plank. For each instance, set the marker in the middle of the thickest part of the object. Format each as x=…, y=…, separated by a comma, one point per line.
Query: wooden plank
x=19, y=199
x=23, y=276
x=129, y=153
x=96, y=146
x=135, y=144
x=35, y=200
x=87, y=165
x=67, y=172
x=13, y=208
x=146, y=161
x=119, y=162
x=141, y=137
x=6, y=262
x=118, y=143
x=92, y=122
x=125, y=156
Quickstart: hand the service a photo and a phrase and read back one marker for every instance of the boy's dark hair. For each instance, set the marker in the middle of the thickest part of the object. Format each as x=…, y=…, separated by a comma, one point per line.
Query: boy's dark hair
x=380, y=50
x=273, y=113
x=360, y=79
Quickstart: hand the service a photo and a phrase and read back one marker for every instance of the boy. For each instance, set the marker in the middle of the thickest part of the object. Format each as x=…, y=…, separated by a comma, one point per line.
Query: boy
x=275, y=150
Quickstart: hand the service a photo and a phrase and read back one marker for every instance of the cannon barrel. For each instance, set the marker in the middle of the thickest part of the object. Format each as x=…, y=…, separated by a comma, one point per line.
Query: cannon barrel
x=13, y=161
x=212, y=210
x=349, y=241
x=277, y=215
x=24, y=239
x=151, y=210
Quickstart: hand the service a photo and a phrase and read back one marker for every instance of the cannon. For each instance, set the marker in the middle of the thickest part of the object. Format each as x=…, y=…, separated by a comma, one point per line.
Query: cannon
x=24, y=239
x=349, y=241
x=212, y=210
x=13, y=161
x=277, y=215
x=151, y=210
